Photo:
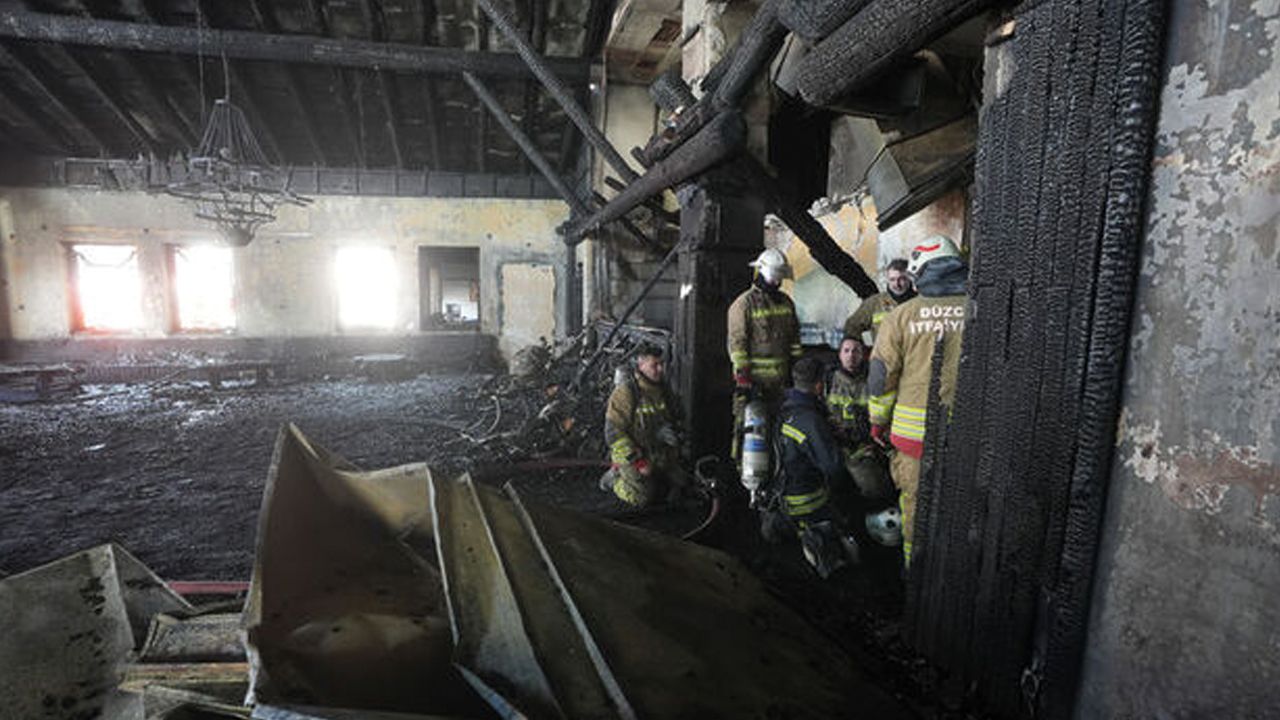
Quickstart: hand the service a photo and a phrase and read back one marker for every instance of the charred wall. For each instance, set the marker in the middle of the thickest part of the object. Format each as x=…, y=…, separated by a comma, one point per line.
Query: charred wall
x=1012, y=494
x=283, y=279
x=1185, y=618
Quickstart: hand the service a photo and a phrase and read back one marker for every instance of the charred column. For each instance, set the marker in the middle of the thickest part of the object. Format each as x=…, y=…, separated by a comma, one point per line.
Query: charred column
x=721, y=230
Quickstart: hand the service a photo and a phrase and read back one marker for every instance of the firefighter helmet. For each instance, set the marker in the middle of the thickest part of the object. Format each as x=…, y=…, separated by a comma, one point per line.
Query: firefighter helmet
x=885, y=526
x=932, y=248
x=772, y=265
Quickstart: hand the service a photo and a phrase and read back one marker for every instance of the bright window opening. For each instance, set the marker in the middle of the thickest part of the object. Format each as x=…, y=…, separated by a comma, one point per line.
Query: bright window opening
x=202, y=283
x=366, y=281
x=108, y=291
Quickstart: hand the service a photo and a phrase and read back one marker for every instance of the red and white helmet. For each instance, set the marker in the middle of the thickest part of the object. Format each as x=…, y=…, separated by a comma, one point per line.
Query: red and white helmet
x=932, y=248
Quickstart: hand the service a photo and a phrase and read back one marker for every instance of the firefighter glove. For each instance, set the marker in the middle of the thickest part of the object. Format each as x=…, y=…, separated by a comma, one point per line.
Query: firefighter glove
x=879, y=433
x=642, y=466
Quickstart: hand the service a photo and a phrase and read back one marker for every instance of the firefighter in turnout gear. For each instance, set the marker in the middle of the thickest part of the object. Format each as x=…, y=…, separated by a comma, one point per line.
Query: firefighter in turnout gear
x=873, y=310
x=846, y=387
x=902, y=365
x=812, y=472
x=642, y=429
x=764, y=339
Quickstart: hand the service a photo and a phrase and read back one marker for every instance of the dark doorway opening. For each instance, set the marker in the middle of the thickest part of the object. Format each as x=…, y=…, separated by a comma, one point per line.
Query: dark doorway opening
x=449, y=287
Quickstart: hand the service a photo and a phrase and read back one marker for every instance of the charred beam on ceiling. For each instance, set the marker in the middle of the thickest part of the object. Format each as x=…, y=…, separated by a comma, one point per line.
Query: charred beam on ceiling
x=180, y=125
x=236, y=44
x=430, y=103
x=543, y=70
x=376, y=25
x=29, y=124
x=245, y=100
x=99, y=90
x=139, y=10
x=52, y=102
x=341, y=84
x=264, y=20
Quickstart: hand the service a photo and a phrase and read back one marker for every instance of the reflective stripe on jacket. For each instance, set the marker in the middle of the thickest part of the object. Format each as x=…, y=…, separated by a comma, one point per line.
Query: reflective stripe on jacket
x=847, y=404
x=905, y=346
x=636, y=410
x=763, y=335
x=808, y=452
x=869, y=315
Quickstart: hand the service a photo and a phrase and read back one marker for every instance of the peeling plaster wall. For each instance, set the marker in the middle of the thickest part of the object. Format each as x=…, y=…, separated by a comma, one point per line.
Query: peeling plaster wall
x=284, y=278
x=1186, y=614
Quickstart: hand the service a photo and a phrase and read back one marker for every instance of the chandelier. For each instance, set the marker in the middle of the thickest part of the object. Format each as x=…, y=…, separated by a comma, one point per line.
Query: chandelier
x=229, y=179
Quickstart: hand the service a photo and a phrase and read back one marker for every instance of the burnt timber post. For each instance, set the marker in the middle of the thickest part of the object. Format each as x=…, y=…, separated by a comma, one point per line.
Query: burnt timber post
x=720, y=232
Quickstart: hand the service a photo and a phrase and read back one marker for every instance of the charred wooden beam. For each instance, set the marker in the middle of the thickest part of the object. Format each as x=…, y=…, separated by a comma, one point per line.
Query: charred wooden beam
x=238, y=44
x=432, y=123
x=51, y=102
x=263, y=18
x=183, y=128
x=540, y=66
x=716, y=142
x=525, y=143
x=139, y=10
x=96, y=86
x=29, y=123
x=579, y=206
x=341, y=84
x=386, y=90
x=260, y=126
x=822, y=248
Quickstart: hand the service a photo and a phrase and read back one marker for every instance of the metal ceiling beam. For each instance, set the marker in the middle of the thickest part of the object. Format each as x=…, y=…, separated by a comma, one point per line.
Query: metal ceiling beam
x=65, y=29
x=267, y=22
x=64, y=115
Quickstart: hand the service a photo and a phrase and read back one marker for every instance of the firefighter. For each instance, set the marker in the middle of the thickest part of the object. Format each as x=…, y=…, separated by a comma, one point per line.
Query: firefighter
x=764, y=338
x=873, y=310
x=642, y=429
x=811, y=470
x=902, y=365
x=846, y=387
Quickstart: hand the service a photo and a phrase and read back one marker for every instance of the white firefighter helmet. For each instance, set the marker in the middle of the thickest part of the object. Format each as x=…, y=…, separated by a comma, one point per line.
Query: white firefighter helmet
x=885, y=526
x=772, y=265
x=931, y=248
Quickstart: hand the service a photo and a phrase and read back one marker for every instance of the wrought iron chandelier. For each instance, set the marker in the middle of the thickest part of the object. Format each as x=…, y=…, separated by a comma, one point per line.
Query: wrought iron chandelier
x=230, y=180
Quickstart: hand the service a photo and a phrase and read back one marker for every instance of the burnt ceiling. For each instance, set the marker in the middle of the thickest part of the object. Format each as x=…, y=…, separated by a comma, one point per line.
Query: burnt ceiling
x=111, y=87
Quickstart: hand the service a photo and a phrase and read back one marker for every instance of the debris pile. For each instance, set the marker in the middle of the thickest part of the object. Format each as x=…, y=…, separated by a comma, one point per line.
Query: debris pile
x=409, y=591
x=550, y=406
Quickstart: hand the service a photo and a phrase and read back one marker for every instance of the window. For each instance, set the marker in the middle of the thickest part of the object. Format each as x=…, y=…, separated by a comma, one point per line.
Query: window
x=449, y=282
x=202, y=287
x=106, y=289
x=366, y=282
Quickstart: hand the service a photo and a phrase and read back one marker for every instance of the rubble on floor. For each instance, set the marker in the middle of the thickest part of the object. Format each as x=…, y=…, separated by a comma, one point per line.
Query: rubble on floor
x=407, y=591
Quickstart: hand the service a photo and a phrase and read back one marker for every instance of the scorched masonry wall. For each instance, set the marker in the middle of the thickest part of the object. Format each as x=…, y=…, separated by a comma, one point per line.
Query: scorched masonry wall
x=285, y=278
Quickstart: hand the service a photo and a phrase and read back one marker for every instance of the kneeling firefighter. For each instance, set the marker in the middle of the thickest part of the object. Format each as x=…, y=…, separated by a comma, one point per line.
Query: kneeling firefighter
x=810, y=465
x=642, y=428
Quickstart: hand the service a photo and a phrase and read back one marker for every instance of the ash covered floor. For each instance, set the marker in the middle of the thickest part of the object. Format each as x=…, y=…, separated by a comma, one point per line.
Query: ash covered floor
x=175, y=472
